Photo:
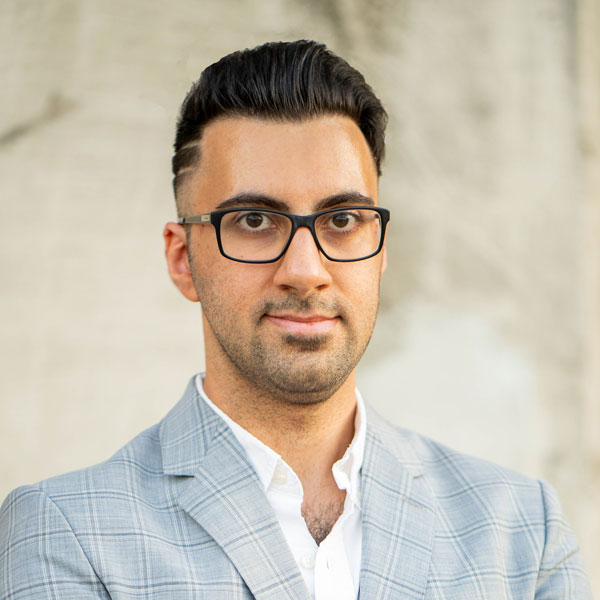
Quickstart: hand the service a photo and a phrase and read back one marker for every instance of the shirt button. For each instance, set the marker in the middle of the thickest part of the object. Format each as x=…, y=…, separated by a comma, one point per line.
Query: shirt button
x=308, y=562
x=280, y=476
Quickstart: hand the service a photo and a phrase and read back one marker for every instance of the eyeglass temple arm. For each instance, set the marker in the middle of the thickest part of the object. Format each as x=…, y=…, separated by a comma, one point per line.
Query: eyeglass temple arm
x=205, y=218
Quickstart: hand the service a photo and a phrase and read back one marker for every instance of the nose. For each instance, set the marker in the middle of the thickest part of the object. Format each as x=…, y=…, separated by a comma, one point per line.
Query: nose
x=302, y=267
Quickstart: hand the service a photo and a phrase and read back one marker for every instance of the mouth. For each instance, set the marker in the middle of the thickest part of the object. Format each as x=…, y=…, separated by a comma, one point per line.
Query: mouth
x=303, y=324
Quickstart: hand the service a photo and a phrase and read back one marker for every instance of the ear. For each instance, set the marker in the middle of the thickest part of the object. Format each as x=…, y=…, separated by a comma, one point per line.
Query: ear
x=177, y=260
x=384, y=260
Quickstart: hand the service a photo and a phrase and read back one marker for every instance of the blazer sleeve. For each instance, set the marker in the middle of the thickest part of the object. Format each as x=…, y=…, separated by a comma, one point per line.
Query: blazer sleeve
x=40, y=556
x=561, y=573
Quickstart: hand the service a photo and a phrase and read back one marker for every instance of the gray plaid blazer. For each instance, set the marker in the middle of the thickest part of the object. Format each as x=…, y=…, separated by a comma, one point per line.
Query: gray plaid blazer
x=180, y=513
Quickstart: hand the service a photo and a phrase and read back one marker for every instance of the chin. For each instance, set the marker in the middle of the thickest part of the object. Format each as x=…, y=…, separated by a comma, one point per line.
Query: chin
x=309, y=385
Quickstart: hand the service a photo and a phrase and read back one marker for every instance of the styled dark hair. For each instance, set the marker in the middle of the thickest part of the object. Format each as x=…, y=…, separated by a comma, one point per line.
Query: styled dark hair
x=288, y=81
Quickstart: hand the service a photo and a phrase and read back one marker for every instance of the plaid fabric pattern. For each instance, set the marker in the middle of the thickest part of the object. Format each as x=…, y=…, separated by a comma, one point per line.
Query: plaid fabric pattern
x=179, y=513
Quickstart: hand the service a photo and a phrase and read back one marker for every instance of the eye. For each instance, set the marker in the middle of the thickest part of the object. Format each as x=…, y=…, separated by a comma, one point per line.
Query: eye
x=253, y=220
x=343, y=220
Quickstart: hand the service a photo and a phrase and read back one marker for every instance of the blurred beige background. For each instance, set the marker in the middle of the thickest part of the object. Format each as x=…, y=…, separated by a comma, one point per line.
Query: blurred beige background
x=489, y=331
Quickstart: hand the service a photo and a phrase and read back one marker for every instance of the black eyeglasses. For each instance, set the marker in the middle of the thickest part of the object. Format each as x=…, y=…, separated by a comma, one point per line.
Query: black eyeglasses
x=262, y=235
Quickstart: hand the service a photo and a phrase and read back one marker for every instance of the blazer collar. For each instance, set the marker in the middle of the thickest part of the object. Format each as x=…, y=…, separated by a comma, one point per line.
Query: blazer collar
x=187, y=432
x=399, y=514
x=222, y=493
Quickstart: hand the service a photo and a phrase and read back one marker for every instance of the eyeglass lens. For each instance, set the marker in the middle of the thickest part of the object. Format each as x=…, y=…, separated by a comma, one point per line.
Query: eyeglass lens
x=345, y=234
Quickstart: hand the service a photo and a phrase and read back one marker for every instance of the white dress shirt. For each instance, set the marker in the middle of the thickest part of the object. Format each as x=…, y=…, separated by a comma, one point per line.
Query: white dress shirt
x=331, y=569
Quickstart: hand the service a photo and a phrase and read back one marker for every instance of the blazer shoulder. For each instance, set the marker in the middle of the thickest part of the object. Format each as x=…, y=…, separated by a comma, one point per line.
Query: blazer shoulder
x=130, y=472
x=486, y=512
x=471, y=491
x=35, y=538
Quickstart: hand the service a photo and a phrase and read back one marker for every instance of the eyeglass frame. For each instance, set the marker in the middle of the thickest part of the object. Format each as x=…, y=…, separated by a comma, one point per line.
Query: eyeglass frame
x=215, y=217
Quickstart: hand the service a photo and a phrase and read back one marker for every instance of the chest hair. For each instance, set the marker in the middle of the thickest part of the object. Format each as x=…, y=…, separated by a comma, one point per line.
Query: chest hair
x=321, y=518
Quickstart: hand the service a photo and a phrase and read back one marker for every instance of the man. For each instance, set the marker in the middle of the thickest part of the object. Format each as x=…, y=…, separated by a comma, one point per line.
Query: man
x=270, y=479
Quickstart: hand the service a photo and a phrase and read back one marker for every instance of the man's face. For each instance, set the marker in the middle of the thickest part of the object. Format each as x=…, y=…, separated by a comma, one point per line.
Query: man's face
x=295, y=328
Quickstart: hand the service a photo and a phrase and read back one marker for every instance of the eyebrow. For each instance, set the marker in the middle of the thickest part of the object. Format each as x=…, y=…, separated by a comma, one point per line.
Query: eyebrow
x=253, y=199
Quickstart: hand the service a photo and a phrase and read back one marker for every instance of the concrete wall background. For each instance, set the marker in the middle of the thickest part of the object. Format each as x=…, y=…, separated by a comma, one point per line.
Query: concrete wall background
x=489, y=332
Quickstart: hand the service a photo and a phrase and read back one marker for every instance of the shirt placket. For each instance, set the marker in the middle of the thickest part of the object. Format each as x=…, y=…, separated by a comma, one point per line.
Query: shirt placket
x=332, y=575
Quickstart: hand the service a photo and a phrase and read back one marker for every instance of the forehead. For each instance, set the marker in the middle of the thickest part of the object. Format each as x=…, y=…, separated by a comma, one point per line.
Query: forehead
x=297, y=162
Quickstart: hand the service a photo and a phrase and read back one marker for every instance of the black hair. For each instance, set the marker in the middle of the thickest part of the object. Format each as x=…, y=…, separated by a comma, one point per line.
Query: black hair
x=288, y=81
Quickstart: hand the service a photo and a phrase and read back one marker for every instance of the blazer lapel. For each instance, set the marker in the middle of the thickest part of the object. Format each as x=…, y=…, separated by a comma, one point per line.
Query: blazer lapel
x=398, y=517
x=226, y=498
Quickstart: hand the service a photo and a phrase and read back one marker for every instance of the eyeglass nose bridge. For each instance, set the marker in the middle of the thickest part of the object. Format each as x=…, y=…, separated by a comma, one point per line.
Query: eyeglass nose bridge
x=307, y=221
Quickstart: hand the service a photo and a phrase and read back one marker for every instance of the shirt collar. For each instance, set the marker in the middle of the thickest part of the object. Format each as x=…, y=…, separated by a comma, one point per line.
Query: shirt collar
x=346, y=471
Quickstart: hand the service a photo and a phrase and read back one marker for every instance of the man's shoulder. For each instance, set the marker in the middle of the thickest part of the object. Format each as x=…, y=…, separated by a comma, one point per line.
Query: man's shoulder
x=67, y=515
x=484, y=514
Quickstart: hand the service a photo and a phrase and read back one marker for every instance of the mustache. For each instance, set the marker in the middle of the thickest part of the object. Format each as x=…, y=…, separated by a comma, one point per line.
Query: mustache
x=308, y=305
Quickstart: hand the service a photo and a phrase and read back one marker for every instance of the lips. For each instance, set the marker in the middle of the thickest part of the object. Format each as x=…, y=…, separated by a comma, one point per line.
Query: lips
x=303, y=324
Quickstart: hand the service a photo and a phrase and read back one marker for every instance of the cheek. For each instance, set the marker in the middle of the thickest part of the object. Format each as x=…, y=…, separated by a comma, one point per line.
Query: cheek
x=362, y=293
x=362, y=282
x=228, y=288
